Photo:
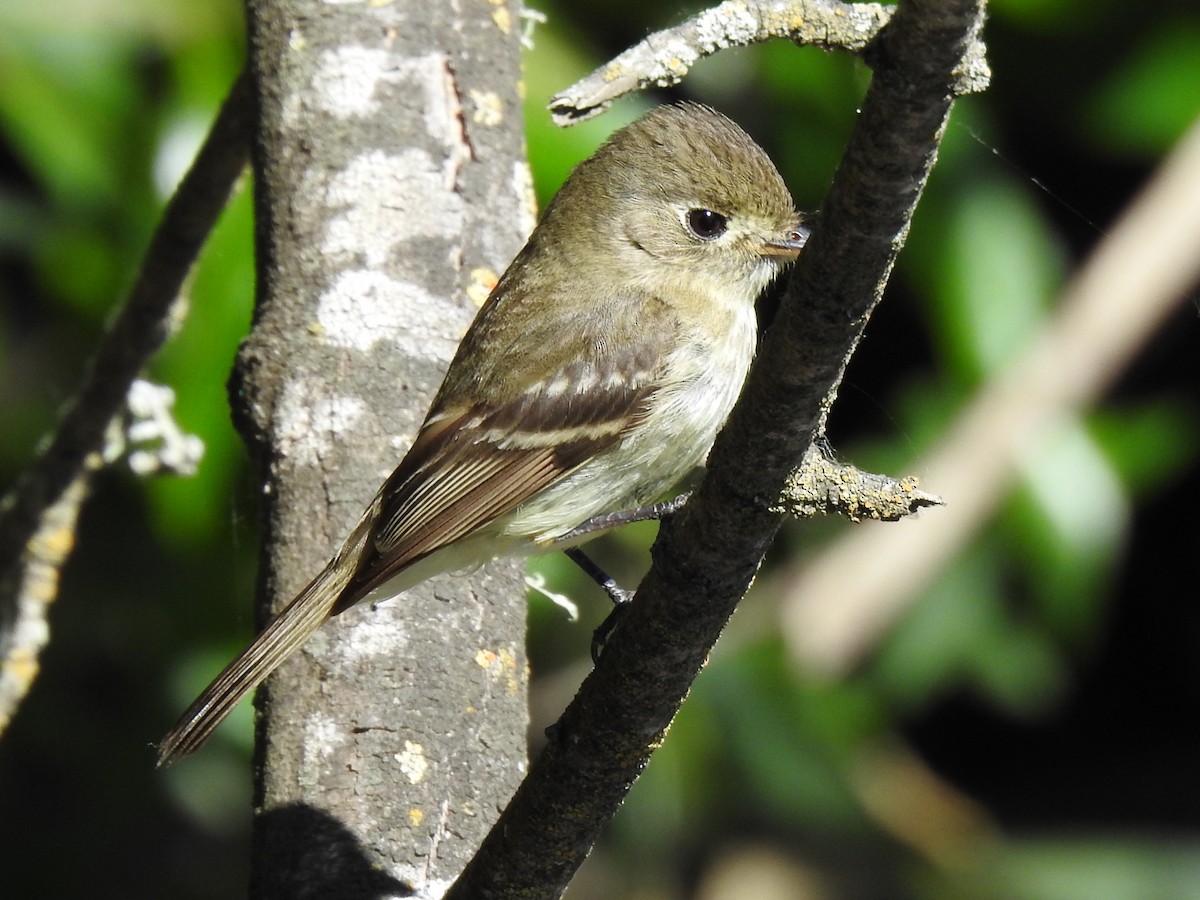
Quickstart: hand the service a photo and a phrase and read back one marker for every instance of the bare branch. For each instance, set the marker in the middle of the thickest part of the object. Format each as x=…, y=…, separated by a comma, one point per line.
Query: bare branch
x=706, y=557
x=46, y=497
x=665, y=57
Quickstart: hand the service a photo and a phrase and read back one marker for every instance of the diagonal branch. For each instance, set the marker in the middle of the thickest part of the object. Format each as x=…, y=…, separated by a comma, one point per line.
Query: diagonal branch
x=46, y=497
x=836, y=610
x=707, y=556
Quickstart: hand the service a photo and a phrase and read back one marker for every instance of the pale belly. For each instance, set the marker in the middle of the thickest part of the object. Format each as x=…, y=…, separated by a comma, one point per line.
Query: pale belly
x=657, y=455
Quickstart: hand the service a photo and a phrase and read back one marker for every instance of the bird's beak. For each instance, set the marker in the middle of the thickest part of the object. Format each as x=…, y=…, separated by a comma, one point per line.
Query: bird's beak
x=790, y=246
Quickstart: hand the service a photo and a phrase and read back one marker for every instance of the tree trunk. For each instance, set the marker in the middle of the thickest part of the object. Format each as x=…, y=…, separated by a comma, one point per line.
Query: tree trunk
x=391, y=189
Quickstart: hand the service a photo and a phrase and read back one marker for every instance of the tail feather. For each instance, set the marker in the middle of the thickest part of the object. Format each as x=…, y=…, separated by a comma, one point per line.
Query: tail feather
x=286, y=632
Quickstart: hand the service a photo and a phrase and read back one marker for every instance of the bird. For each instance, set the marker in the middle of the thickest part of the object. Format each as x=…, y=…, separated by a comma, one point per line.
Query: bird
x=593, y=379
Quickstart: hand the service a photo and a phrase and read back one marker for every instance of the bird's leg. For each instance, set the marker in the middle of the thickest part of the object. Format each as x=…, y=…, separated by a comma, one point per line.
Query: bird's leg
x=616, y=593
x=626, y=517
x=619, y=596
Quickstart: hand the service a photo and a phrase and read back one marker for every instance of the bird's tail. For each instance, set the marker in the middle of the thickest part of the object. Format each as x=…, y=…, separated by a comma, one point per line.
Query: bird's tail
x=286, y=632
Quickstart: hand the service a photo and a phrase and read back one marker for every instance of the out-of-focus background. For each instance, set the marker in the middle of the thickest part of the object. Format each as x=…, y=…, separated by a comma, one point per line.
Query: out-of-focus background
x=1028, y=728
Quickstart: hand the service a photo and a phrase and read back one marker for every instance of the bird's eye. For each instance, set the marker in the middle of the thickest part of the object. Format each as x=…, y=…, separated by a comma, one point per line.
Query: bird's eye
x=706, y=224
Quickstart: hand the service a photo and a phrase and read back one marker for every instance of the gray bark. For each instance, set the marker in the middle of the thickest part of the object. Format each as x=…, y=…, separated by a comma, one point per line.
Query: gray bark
x=390, y=188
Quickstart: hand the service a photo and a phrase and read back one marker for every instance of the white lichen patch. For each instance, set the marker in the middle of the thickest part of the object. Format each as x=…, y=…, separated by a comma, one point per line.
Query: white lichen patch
x=346, y=77
x=349, y=82
x=364, y=638
x=672, y=62
x=353, y=81
x=322, y=736
x=323, y=732
x=386, y=199
x=312, y=423
x=413, y=762
x=522, y=181
x=730, y=24
x=364, y=307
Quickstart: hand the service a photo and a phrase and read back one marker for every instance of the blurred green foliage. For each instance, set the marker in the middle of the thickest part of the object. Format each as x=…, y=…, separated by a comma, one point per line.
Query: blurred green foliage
x=1040, y=698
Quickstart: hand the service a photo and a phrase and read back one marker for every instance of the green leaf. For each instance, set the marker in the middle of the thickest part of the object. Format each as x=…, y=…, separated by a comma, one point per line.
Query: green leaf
x=1142, y=108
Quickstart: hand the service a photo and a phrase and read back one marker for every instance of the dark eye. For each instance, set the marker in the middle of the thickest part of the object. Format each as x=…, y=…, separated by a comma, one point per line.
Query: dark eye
x=706, y=224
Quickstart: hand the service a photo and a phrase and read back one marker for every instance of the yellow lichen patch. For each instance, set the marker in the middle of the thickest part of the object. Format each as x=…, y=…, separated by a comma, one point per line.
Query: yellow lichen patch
x=503, y=18
x=507, y=659
x=22, y=668
x=489, y=108
x=508, y=665
x=677, y=66
x=614, y=71
x=485, y=658
x=416, y=816
x=19, y=670
x=483, y=280
x=501, y=667
x=55, y=544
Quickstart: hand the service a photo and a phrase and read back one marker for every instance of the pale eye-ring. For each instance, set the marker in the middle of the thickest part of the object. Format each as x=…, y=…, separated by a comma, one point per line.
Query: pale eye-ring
x=706, y=224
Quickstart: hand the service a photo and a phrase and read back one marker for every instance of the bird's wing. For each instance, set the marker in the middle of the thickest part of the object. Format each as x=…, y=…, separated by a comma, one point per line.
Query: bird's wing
x=466, y=468
x=470, y=466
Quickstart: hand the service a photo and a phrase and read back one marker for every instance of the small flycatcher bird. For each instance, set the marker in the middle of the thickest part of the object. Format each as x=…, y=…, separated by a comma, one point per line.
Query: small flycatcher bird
x=594, y=378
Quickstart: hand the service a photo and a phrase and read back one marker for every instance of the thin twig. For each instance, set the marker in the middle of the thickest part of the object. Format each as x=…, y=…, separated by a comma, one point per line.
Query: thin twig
x=822, y=486
x=48, y=492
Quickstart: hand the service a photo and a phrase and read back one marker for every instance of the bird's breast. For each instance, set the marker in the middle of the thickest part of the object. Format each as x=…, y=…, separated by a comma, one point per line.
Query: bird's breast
x=702, y=377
